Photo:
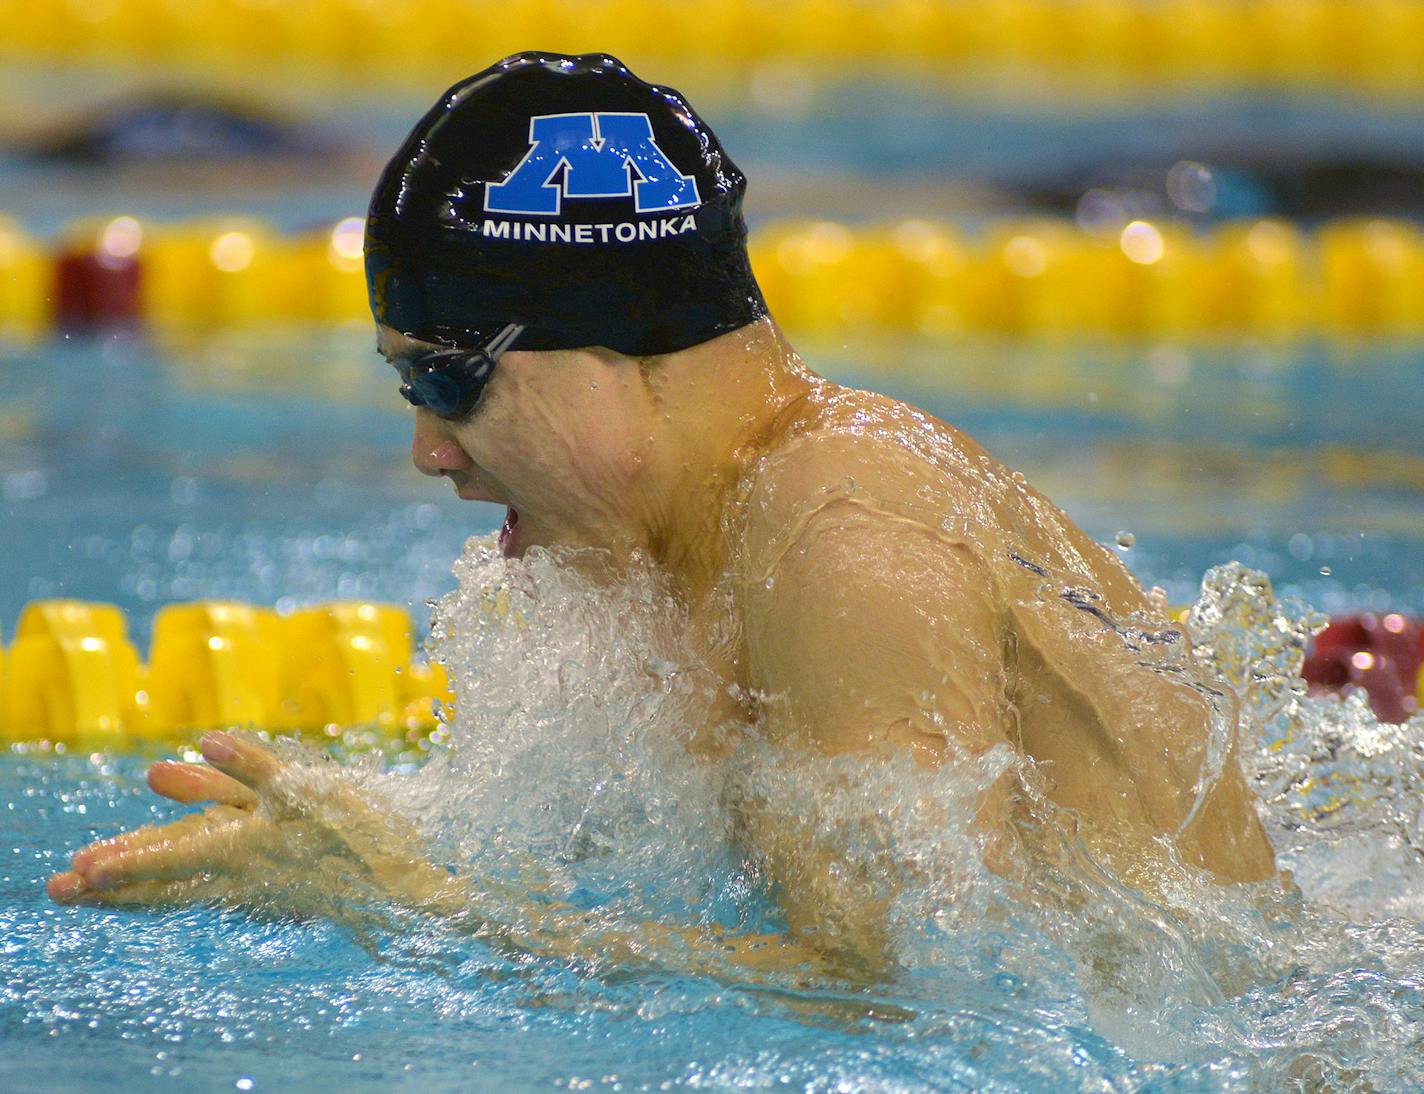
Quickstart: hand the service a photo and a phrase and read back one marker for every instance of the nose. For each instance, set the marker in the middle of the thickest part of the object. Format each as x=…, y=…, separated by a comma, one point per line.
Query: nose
x=433, y=450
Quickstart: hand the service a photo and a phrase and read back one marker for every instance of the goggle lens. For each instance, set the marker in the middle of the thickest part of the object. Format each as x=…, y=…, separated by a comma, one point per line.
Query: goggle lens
x=451, y=381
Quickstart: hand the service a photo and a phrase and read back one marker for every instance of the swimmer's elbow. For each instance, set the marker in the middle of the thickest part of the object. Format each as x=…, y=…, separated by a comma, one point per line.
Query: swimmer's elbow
x=854, y=942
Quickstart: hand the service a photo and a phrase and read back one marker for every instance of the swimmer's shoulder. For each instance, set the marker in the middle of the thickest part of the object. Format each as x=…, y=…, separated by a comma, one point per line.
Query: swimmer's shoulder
x=845, y=458
x=911, y=465
x=892, y=454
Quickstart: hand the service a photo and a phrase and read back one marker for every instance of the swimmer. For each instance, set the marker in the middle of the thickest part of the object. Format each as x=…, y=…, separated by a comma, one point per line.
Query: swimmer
x=558, y=269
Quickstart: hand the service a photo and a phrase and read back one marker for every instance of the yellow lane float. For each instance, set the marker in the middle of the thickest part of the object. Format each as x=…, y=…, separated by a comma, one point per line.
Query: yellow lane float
x=72, y=675
x=1039, y=277
x=71, y=672
x=1107, y=45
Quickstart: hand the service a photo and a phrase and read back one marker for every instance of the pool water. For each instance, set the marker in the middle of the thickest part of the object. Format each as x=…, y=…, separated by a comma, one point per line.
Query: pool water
x=271, y=466
x=866, y=147
x=572, y=760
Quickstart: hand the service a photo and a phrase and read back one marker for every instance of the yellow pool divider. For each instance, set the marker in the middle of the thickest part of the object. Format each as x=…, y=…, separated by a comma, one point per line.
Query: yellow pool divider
x=72, y=675
x=26, y=280
x=1029, y=276
x=1376, y=45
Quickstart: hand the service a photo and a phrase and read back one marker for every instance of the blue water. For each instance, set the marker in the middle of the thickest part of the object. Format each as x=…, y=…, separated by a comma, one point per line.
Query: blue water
x=207, y=1000
x=274, y=466
x=994, y=996
x=271, y=466
x=792, y=133
x=94, y=1000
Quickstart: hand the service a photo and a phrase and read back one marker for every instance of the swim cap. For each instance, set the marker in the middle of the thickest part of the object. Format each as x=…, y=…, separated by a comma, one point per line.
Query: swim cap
x=565, y=194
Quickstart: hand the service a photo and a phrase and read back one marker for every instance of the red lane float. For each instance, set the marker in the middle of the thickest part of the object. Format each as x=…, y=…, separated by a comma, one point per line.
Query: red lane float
x=97, y=275
x=1381, y=653
x=95, y=290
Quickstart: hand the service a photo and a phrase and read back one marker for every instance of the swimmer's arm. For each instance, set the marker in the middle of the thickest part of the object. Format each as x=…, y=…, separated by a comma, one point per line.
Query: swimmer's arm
x=1143, y=726
x=322, y=849
x=868, y=633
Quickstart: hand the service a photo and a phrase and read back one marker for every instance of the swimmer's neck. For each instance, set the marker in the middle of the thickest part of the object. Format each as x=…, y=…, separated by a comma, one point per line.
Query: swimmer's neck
x=717, y=408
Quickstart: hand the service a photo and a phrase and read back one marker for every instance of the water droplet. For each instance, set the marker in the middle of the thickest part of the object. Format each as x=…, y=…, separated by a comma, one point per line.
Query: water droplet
x=769, y=584
x=1326, y=571
x=1125, y=540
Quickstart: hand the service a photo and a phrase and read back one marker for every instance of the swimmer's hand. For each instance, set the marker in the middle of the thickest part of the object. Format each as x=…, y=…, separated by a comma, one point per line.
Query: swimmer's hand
x=299, y=839
x=279, y=837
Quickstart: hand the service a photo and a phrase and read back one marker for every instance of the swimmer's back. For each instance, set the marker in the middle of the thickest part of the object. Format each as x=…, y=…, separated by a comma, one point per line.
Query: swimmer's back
x=1038, y=614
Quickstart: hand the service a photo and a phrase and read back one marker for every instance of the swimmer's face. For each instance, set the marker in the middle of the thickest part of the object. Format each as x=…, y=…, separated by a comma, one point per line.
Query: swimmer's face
x=558, y=437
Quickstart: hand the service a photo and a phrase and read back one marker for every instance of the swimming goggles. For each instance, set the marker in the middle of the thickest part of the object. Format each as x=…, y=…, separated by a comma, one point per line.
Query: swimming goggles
x=451, y=381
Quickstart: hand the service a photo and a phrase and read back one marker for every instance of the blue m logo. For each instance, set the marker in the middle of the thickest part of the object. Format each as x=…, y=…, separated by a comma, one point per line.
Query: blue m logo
x=599, y=154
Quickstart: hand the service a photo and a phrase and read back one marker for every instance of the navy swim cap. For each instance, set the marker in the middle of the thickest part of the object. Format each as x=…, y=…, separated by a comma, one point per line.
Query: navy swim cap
x=567, y=195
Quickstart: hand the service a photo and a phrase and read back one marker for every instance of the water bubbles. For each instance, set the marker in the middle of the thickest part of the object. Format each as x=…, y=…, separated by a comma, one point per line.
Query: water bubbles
x=183, y=490
x=1125, y=541
x=1191, y=186
x=575, y=704
x=1101, y=213
x=423, y=516
x=19, y=486
x=570, y=778
x=1169, y=365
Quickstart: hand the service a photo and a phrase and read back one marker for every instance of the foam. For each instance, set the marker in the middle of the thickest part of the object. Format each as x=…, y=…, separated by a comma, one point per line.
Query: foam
x=567, y=772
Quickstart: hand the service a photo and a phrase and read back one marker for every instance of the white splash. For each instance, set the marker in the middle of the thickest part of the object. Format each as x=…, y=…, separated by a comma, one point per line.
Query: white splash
x=567, y=771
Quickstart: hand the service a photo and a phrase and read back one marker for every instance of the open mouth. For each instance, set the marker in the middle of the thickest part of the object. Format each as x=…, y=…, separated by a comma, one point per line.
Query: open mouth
x=507, y=533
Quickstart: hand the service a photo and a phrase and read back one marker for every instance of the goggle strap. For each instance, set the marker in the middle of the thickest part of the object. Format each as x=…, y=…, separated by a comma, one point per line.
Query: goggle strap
x=504, y=339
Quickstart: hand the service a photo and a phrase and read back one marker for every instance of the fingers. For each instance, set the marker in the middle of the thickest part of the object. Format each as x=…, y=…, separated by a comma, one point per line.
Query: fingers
x=65, y=888
x=238, y=767
x=159, y=864
x=179, y=852
x=73, y=886
x=181, y=782
x=69, y=888
x=86, y=857
x=188, y=846
x=196, y=783
x=245, y=760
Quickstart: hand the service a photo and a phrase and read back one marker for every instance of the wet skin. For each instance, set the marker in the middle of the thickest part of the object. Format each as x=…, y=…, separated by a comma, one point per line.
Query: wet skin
x=867, y=572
